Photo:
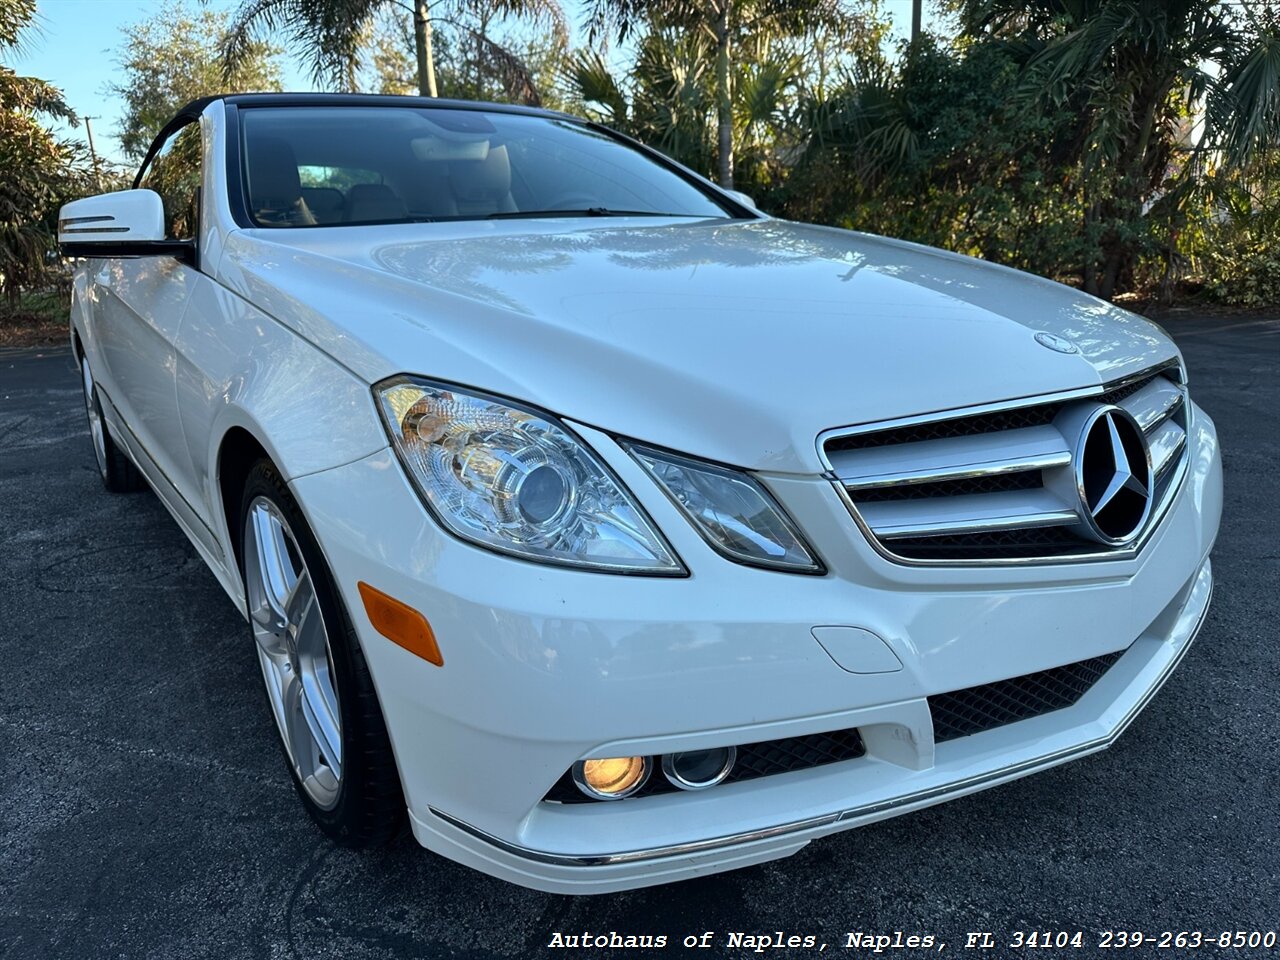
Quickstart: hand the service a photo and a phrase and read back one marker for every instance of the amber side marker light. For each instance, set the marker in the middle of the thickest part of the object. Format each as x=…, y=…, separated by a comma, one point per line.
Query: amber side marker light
x=400, y=623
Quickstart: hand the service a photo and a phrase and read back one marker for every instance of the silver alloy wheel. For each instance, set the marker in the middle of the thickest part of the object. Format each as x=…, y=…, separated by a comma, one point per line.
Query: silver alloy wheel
x=95, y=418
x=293, y=648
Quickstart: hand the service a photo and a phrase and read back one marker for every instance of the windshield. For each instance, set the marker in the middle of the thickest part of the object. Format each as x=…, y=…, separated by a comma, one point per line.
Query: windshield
x=326, y=166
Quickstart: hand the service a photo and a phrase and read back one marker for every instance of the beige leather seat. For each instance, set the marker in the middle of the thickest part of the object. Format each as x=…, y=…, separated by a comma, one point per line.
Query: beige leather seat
x=481, y=187
x=275, y=188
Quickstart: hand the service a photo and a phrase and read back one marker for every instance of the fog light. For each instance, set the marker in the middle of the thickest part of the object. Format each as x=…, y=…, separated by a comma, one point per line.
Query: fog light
x=699, y=769
x=612, y=778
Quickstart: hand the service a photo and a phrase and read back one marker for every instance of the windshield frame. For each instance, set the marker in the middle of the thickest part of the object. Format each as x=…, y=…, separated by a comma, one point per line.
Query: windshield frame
x=237, y=160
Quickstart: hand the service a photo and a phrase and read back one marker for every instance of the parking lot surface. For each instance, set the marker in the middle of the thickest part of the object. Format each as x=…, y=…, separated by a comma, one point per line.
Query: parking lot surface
x=145, y=810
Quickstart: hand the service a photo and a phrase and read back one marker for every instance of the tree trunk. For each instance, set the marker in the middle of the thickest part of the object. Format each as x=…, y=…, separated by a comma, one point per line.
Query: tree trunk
x=1115, y=261
x=422, y=40
x=724, y=95
x=1089, y=273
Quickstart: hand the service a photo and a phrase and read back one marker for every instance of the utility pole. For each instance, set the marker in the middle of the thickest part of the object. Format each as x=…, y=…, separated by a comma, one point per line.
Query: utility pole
x=916, y=12
x=93, y=154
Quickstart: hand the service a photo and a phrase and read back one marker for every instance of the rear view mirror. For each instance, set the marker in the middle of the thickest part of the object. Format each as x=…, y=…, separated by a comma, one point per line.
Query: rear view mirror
x=438, y=148
x=742, y=198
x=129, y=223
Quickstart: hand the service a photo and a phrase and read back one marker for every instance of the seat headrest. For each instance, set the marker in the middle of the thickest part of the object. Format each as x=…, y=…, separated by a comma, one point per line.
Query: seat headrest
x=487, y=179
x=274, y=183
x=374, y=201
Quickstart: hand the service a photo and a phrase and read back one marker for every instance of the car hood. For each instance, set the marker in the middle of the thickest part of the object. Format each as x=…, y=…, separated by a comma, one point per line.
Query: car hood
x=737, y=341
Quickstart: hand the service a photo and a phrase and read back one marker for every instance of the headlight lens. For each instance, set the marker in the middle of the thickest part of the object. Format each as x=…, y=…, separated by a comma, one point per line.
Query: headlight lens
x=732, y=511
x=515, y=480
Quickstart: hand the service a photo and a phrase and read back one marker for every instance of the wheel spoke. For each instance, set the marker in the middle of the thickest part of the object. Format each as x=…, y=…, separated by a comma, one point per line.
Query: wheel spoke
x=261, y=580
x=296, y=737
x=274, y=568
x=299, y=605
x=323, y=725
x=293, y=644
x=319, y=702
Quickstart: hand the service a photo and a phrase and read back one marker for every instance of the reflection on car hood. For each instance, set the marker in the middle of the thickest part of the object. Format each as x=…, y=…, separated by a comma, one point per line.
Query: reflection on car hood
x=736, y=341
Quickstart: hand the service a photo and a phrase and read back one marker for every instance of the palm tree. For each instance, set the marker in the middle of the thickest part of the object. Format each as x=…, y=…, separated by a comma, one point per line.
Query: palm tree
x=726, y=25
x=40, y=172
x=670, y=100
x=331, y=32
x=26, y=94
x=1133, y=71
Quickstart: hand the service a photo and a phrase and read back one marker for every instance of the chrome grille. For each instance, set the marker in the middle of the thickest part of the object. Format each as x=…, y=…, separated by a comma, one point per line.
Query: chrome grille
x=995, y=484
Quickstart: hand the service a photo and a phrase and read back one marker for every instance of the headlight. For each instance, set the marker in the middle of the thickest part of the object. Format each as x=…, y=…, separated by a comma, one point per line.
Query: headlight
x=510, y=478
x=732, y=511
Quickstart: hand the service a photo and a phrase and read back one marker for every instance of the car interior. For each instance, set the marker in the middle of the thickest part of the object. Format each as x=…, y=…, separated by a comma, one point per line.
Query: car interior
x=329, y=166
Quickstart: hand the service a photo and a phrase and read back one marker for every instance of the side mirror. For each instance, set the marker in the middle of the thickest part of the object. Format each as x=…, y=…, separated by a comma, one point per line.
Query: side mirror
x=742, y=198
x=129, y=223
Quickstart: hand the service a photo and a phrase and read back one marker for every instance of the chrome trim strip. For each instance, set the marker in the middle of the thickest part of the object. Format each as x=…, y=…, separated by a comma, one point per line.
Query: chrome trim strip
x=951, y=458
x=1163, y=455
x=1026, y=521
x=1154, y=404
x=1114, y=554
x=958, y=413
x=104, y=218
x=633, y=856
x=971, y=471
x=854, y=813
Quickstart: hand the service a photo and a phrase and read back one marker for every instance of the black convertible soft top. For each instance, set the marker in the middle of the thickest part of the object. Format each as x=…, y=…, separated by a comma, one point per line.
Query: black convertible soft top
x=196, y=107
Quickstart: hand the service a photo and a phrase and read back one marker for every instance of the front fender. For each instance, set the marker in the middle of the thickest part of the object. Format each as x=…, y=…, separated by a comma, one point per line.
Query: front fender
x=239, y=368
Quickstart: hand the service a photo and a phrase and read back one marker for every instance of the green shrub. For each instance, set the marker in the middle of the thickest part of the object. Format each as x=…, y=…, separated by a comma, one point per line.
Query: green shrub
x=1244, y=272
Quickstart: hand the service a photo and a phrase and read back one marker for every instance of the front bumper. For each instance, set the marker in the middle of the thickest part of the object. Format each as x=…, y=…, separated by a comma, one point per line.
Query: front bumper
x=545, y=666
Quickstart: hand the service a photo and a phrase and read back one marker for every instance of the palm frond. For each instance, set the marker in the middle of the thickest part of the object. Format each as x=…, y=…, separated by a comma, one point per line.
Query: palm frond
x=547, y=13
x=1244, y=107
x=328, y=34
x=592, y=83
x=760, y=90
x=509, y=69
x=33, y=96
x=17, y=17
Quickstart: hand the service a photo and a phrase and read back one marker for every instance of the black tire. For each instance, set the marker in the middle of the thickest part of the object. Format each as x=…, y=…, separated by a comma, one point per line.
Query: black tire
x=370, y=808
x=118, y=473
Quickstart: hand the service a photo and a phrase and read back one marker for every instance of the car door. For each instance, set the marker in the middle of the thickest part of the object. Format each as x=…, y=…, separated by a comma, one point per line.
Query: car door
x=139, y=307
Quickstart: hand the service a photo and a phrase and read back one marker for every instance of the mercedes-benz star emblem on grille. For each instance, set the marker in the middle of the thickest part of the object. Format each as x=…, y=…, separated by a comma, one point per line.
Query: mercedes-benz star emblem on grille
x=1054, y=342
x=1113, y=476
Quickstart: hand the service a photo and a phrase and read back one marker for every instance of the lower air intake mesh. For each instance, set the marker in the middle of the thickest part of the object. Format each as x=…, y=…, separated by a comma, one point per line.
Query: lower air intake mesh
x=964, y=712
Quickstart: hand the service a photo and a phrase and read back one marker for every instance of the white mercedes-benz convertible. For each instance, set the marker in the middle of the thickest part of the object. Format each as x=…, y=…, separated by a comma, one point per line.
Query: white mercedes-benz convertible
x=606, y=529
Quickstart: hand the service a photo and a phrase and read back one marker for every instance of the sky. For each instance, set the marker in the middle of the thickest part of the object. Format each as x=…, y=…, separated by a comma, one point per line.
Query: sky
x=73, y=48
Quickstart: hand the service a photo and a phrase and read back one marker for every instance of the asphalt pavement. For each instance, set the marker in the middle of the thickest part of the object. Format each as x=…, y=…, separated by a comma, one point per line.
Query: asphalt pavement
x=145, y=810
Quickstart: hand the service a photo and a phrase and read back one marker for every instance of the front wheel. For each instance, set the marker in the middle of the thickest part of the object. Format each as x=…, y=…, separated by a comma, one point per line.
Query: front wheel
x=317, y=682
